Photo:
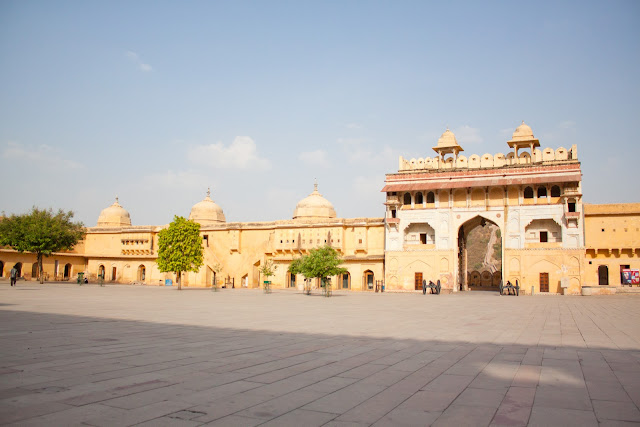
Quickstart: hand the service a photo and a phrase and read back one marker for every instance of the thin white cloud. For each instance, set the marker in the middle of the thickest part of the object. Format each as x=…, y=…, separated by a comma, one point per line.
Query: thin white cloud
x=562, y=134
x=314, y=158
x=354, y=126
x=135, y=58
x=183, y=180
x=40, y=156
x=351, y=141
x=365, y=186
x=241, y=154
x=467, y=135
x=372, y=157
x=506, y=132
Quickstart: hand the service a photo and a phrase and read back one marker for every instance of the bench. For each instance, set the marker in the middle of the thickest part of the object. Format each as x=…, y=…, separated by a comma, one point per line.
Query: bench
x=435, y=288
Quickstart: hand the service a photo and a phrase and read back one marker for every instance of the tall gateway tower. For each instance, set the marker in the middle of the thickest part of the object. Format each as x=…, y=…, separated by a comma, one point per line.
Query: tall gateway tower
x=472, y=222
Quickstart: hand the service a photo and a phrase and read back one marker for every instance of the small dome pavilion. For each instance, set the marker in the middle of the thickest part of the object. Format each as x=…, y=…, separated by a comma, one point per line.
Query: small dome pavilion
x=523, y=138
x=447, y=143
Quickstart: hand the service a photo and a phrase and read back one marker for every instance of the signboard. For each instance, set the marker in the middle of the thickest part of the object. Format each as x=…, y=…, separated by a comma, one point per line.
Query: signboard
x=630, y=277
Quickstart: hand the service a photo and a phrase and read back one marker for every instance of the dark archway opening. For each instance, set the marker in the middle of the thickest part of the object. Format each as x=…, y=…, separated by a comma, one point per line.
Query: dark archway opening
x=603, y=275
x=479, y=255
x=67, y=271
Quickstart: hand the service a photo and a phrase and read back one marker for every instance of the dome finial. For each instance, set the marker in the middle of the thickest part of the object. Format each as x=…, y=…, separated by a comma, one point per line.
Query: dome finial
x=117, y=200
x=315, y=184
x=208, y=191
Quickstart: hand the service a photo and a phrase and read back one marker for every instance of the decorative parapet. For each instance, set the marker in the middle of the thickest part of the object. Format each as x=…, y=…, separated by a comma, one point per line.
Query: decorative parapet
x=486, y=161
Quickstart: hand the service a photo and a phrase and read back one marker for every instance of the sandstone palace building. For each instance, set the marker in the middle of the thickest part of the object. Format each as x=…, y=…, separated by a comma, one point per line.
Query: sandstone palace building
x=470, y=222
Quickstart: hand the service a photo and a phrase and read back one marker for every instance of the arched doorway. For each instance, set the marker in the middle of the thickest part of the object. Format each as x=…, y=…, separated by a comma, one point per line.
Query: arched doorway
x=479, y=255
x=101, y=271
x=1, y=269
x=368, y=280
x=67, y=271
x=345, y=280
x=142, y=273
x=34, y=270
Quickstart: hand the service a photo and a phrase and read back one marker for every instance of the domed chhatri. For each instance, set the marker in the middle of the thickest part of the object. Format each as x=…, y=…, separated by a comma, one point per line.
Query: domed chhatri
x=114, y=216
x=315, y=207
x=447, y=143
x=448, y=139
x=207, y=212
x=523, y=137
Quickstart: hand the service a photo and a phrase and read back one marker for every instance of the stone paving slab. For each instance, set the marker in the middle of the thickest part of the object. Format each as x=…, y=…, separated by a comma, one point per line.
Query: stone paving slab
x=152, y=356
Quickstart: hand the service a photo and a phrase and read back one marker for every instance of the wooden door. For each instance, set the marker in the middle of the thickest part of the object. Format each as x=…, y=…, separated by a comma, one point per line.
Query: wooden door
x=603, y=275
x=544, y=282
x=418, y=282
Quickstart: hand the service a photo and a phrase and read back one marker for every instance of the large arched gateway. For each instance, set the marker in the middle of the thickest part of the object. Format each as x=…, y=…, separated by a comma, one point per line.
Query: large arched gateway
x=479, y=255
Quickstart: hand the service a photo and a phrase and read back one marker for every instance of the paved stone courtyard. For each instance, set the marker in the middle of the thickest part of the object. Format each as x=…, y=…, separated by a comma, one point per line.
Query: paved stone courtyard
x=133, y=355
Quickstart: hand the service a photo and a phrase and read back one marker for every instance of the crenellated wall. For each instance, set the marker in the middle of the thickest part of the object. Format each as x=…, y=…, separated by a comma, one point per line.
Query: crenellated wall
x=489, y=161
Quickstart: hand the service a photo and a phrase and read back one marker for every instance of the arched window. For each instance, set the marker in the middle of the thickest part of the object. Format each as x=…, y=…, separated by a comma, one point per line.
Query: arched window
x=528, y=193
x=555, y=191
x=407, y=199
x=418, y=198
x=542, y=192
x=431, y=198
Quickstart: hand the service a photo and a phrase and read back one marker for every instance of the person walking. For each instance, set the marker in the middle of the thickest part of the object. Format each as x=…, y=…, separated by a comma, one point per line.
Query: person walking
x=14, y=276
x=424, y=286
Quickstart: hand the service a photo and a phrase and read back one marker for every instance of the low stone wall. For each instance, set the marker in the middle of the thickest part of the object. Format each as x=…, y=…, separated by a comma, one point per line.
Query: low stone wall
x=598, y=290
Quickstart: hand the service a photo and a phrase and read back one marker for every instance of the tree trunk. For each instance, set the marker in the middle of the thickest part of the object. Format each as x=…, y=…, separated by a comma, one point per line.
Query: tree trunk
x=179, y=273
x=40, y=273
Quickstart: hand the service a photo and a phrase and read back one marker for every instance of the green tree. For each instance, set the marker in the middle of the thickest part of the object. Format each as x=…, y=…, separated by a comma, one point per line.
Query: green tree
x=41, y=232
x=180, y=248
x=319, y=263
x=268, y=269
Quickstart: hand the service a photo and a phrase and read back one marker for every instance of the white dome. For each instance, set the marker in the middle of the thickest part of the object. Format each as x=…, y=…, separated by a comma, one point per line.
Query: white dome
x=114, y=216
x=314, y=206
x=207, y=212
x=522, y=133
x=523, y=137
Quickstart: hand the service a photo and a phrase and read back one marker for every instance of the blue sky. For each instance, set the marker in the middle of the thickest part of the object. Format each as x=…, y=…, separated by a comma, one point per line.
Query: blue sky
x=156, y=101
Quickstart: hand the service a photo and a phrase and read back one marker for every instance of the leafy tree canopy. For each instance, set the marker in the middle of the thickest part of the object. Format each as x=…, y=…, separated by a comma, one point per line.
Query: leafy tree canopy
x=322, y=263
x=180, y=247
x=41, y=232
